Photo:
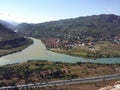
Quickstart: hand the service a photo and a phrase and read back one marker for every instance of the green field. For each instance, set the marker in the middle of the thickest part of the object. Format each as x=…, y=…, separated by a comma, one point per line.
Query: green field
x=104, y=49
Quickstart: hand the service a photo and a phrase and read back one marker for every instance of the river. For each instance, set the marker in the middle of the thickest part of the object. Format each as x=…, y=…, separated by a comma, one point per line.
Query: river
x=38, y=51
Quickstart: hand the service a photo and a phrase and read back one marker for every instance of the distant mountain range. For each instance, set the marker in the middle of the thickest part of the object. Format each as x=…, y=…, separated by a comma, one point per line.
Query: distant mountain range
x=90, y=26
x=96, y=26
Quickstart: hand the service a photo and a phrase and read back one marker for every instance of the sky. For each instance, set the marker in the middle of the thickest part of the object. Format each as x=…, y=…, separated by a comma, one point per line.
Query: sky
x=37, y=11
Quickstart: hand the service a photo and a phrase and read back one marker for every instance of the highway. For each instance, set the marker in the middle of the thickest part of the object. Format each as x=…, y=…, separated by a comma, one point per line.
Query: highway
x=62, y=82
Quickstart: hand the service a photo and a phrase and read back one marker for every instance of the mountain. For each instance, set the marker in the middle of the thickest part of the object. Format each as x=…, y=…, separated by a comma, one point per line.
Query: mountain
x=11, y=22
x=95, y=26
x=7, y=34
x=8, y=24
x=10, y=39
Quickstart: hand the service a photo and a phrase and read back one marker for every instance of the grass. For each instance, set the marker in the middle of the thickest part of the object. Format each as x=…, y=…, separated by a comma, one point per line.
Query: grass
x=104, y=50
x=108, y=49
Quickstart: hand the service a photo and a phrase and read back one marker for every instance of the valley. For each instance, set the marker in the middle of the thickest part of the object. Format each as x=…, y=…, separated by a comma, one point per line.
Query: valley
x=38, y=51
x=60, y=50
x=89, y=37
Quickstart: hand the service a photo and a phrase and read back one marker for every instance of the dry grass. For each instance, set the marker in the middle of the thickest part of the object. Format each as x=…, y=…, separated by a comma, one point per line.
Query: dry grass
x=78, y=70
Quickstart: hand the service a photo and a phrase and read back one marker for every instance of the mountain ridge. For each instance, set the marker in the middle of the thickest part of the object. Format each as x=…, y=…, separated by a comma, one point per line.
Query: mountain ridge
x=93, y=24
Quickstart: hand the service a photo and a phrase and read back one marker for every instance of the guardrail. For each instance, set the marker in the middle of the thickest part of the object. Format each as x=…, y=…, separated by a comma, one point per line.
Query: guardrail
x=62, y=82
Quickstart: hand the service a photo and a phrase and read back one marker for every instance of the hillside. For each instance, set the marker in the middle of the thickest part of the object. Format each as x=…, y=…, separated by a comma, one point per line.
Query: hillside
x=88, y=36
x=8, y=24
x=95, y=26
x=34, y=71
x=7, y=34
x=10, y=41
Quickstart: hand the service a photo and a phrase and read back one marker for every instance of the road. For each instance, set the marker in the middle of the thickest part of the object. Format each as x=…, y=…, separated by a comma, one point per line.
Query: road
x=62, y=82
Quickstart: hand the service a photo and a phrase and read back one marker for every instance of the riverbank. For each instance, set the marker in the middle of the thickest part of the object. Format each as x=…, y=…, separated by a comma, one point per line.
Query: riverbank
x=103, y=50
x=38, y=51
x=4, y=52
x=42, y=71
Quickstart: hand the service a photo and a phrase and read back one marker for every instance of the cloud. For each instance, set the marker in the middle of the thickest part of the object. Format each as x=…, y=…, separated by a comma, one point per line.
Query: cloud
x=7, y=16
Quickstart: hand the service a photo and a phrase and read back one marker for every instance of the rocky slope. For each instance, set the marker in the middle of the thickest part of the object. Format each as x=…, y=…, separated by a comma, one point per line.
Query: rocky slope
x=116, y=86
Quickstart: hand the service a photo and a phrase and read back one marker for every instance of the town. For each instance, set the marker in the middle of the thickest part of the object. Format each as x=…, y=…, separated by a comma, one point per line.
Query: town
x=81, y=40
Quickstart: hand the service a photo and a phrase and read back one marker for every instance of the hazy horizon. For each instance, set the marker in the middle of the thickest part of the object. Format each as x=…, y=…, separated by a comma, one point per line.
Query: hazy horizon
x=38, y=11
